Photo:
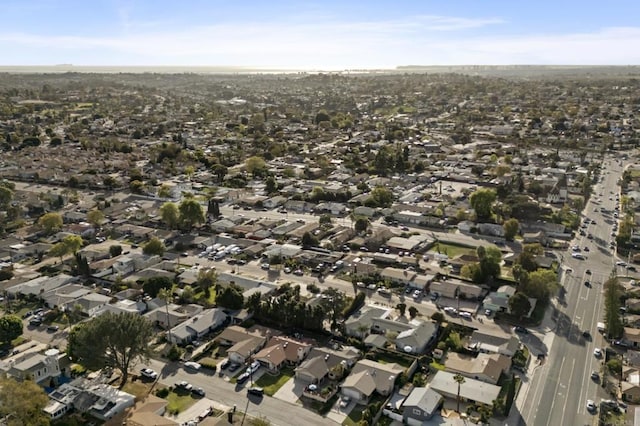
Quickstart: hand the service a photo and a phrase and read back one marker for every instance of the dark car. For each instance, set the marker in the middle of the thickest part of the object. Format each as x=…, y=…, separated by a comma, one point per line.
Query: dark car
x=587, y=284
x=198, y=391
x=233, y=366
x=255, y=391
x=519, y=329
x=242, y=378
x=36, y=322
x=586, y=335
x=225, y=364
x=588, y=272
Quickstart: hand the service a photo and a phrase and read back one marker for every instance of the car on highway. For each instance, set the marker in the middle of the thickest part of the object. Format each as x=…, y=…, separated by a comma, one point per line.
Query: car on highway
x=148, y=373
x=597, y=352
x=591, y=406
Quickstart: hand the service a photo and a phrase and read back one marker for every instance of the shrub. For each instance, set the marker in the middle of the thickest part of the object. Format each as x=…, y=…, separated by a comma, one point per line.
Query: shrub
x=209, y=363
x=174, y=353
x=162, y=393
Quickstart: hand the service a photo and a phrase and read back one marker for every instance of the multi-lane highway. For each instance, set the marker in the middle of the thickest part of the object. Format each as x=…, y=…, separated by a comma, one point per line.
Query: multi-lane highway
x=560, y=388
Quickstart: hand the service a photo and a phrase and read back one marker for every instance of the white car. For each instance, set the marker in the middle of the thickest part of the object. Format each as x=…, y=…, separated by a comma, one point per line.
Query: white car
x=465, y=314
x=597, y=352
x=417, y=294
x=255, y=365
x=184, y=385
x=621, y=263
x=344, y=401
x=192, y=365
x=450, y=310
x=149, y=373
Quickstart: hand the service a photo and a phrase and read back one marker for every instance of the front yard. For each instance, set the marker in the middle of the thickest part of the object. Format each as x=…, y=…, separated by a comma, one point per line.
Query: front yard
x=271, y=383
x=179, y=401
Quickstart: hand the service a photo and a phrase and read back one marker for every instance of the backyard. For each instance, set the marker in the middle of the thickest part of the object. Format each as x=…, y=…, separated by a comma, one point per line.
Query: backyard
x=450, y=250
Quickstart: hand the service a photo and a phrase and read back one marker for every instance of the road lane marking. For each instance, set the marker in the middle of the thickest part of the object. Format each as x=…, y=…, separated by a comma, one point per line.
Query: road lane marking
x=566, y=400
x=555, y=392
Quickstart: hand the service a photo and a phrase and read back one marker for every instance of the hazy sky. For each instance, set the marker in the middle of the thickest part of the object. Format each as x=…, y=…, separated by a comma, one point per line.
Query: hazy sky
x=322, y=34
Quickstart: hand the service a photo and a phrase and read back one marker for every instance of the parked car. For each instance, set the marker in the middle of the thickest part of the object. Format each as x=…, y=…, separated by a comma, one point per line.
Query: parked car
x=184, y=385
x=148, y=373
x=597, y=352
x=519, y=329
x=242, y=378
x=591, y=406
x=344, y=401
x=193, y=365
x=255, y=391
x=198, y=391
x=53, y=328
x=255, y=365
x=595, y=376
x=233, y=367
x=466, y=315
x=224, y=364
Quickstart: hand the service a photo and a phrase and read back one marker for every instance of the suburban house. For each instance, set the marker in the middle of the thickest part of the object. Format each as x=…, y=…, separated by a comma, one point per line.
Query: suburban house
x=167, y=317
x=61, y=295
x=359, y=324
x=631, y=336
x=243, y=343
x=97, y=399
x=90, y=303
x=370, y=376
x=498, y=301
x=630, y=385
x=122, y=306
x=41, y=367
x=321, y=363
x=418, y=338
x=491, y=343
x=196, y=327
x=149, y=412
x=420, y=405
x=484, y=367
x=39, y=285
x=281, y=351
x=471, y=390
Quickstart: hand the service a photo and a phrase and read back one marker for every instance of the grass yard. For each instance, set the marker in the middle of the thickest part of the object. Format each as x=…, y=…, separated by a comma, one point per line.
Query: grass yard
x=451, y=250
x=138, y=389
x=178, y=402
x=354, y=417
x=271, y=384
x=384, y=358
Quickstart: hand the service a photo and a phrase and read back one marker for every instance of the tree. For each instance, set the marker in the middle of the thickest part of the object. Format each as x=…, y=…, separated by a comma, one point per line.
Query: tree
x=511, y=228
x=325, y=219
x=69, y=245
x=207, y=278
x=22, y=403
x=95, y=218
x=164, y=191
x=380, y=197
x=220, y=171
x=540, y=284
x=413, y=312
x=170, y=214
x=481, y=201
x=111, y=340
x=153, y=285
x=612, y=292
x=255, y=166
x=6, y=195
x=165, y=293
x=309, y=240
x=154, y=247
x=115, y=250
x=459, y=379
x=519, y=305
x=191, y=213
x=50, y=222
x=231, y=297
x=401, y=307
x=10, y=328
x=270, y=185
x=361, y=224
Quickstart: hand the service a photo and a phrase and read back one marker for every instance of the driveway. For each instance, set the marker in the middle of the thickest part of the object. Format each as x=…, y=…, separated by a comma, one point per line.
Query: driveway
x=291, y=391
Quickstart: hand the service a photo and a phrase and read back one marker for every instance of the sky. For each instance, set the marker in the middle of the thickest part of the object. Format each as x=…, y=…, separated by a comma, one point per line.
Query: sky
x=319, y=35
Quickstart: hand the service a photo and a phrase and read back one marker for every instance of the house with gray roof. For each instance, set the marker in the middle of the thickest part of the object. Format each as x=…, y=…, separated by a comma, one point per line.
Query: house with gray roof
x=199, y=325
x=368, y=377
x=359, y=324
x=491, y=343
x=418, y=338
x=474, y=391
x=420, y=405
x=321, y=363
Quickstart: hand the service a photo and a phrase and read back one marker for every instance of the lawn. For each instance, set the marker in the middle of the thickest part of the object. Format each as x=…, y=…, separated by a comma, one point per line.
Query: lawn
x=138, y=389
x=384, y=358
x=451, y=250
x=178, y=402
x=354, y=417
x=271, y=384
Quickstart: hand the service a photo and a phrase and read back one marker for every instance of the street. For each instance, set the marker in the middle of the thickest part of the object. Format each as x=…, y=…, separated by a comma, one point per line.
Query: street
x=560, y=388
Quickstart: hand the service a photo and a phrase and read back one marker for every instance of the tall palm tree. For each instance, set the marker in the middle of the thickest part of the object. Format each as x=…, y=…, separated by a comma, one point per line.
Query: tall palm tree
x=460, y=380
x=166, y=294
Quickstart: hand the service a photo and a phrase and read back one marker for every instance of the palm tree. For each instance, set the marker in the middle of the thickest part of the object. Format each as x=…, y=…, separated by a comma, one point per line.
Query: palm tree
x=166, y=294
x=460, y=380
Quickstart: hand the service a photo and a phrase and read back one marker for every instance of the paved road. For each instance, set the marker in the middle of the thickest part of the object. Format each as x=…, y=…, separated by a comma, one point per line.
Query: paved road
x=278, y=412
x=560, y=388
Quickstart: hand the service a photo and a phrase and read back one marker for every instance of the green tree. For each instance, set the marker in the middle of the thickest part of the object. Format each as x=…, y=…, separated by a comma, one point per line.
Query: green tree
x=380, y=197
x=402, y=308
x=164, y=191
x=115, y=250
x=413, y=312
x=255, y=166
x=481, y=201
x=519, y=305
x=153, y=285
x=612, y=293
x=10, y=328
x=165, y=293
x=111, y=340
x=361, y=224
x=191, y=213
x=6, y=195
x=511, y=228
x=69, y=245
x=50, y=222
x=230, y=298
x=154, y=247
x=170, y=214
x=270, y=185
x=95, y=218
x=207, y=278
x=325, y=219
x=137, y=187
x=540, y=284
x=459, y=379
x=22, y=403
x=220, y=171
x=309, y=240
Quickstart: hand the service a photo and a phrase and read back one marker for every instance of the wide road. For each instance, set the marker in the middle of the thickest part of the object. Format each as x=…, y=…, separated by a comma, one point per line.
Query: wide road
x=560, y=387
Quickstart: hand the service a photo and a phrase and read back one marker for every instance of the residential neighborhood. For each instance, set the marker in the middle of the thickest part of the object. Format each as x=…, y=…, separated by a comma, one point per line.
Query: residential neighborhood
x=419, y=248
